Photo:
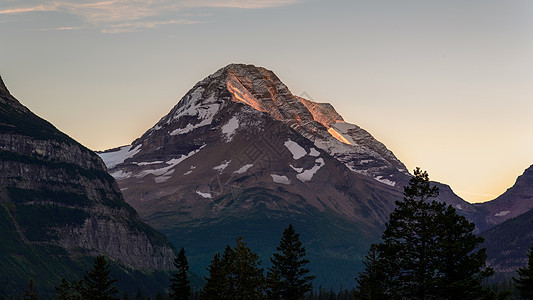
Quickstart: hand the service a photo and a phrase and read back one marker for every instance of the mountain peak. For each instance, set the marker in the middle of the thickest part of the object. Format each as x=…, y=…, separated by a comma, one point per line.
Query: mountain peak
x=3, y=87
x=262, y=90
x=239, y=90
x=256, y=87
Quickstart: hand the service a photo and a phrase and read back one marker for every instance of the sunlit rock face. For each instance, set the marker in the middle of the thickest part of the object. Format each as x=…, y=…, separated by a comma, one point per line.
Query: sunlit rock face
x=58, y=193
x=241, y=155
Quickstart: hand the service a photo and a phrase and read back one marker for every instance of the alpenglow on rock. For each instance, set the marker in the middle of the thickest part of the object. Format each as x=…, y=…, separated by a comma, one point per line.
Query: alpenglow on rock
x=58, y=205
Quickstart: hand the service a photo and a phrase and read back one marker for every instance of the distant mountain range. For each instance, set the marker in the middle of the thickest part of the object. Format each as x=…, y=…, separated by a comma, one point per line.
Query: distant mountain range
x=241, y=155
x=59, y=208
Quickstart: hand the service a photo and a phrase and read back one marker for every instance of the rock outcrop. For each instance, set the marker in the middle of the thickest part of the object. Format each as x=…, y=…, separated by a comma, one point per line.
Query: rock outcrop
x=57, y=193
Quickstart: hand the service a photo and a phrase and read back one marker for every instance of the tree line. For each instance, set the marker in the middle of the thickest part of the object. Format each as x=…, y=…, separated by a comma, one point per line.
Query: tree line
x=427, y=251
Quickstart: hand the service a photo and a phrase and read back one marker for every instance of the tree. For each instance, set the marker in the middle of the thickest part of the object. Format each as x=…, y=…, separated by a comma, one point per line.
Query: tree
x=524, y=282
x=180, y=287
x=217, y=283
x=96, y=283
x=235, y=275
x=288, y=278
x=428, y=251
x=29, y=294
x=69, y=290
x=373, y=281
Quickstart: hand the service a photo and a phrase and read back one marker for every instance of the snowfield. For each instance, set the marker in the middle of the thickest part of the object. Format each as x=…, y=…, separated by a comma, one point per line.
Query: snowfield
x=502, y=213
x=222, y=166
x=112, y=159
x=205, y=195
x=280, y=179
x=230, y=128
x=244, y=168
x=167, y=171
x=308, y=174
x=296, y=150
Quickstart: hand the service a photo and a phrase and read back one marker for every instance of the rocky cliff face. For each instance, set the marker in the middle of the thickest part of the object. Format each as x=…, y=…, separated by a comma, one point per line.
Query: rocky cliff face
x=57, y=193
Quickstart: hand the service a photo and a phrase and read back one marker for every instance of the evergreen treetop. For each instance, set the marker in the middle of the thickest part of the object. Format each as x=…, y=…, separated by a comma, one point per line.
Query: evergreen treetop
x=288, y=278
x=180, y=285
x=235, y=275
x=524, y=282
x=97, y=284
x=428, y=251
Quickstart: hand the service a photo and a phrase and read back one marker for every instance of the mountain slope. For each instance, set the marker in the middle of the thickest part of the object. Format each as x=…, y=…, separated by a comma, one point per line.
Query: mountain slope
x=516, y=201
x=241, y=155
x=507, y=243
x=59, y=208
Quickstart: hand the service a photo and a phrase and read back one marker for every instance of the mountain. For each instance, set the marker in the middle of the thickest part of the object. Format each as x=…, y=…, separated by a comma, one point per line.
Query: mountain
x=516, y=201
x=241, y=155
x=507, y=243
x=59, y=208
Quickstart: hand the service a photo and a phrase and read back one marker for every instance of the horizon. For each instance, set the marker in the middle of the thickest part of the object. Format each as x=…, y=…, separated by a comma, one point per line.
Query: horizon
x=445, y=86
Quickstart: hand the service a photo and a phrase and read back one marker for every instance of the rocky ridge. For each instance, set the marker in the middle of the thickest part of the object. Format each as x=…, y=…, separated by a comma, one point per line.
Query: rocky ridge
x=57, y=193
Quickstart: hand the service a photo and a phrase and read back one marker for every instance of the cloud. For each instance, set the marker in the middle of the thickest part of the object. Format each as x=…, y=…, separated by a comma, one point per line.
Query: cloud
x=134, y=26
x=115, y=16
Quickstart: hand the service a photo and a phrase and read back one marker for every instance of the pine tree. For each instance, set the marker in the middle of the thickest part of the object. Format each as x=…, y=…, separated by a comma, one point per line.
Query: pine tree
x=428, y=251
x=217, y=285
x=180, y=287
x=96, y=283
x=288, y=278
x=69, y=290
x=234, y=275
x=373, y=282
x=461, y=266
x=248, y=275
x=29, y=294
x=524, y=282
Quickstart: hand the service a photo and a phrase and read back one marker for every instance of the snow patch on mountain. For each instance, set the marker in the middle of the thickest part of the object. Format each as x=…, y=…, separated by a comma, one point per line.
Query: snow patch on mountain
x=296, y=150
x=222, y=166
x=502, y=213
x=280, y=179
x=146, y=163
x=385, y=180
x=203, y=110
x=119, y=175
x=314, y=152
x=112, y=159
x=230, y=128
x=308, y=174
x=205, y=195
x=244, y=168
x=161, y=179
x=190, y=170
x=299, y=170
x=167, y=171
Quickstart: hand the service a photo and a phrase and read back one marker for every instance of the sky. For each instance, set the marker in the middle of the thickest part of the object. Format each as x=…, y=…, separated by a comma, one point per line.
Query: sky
x=446, y=85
